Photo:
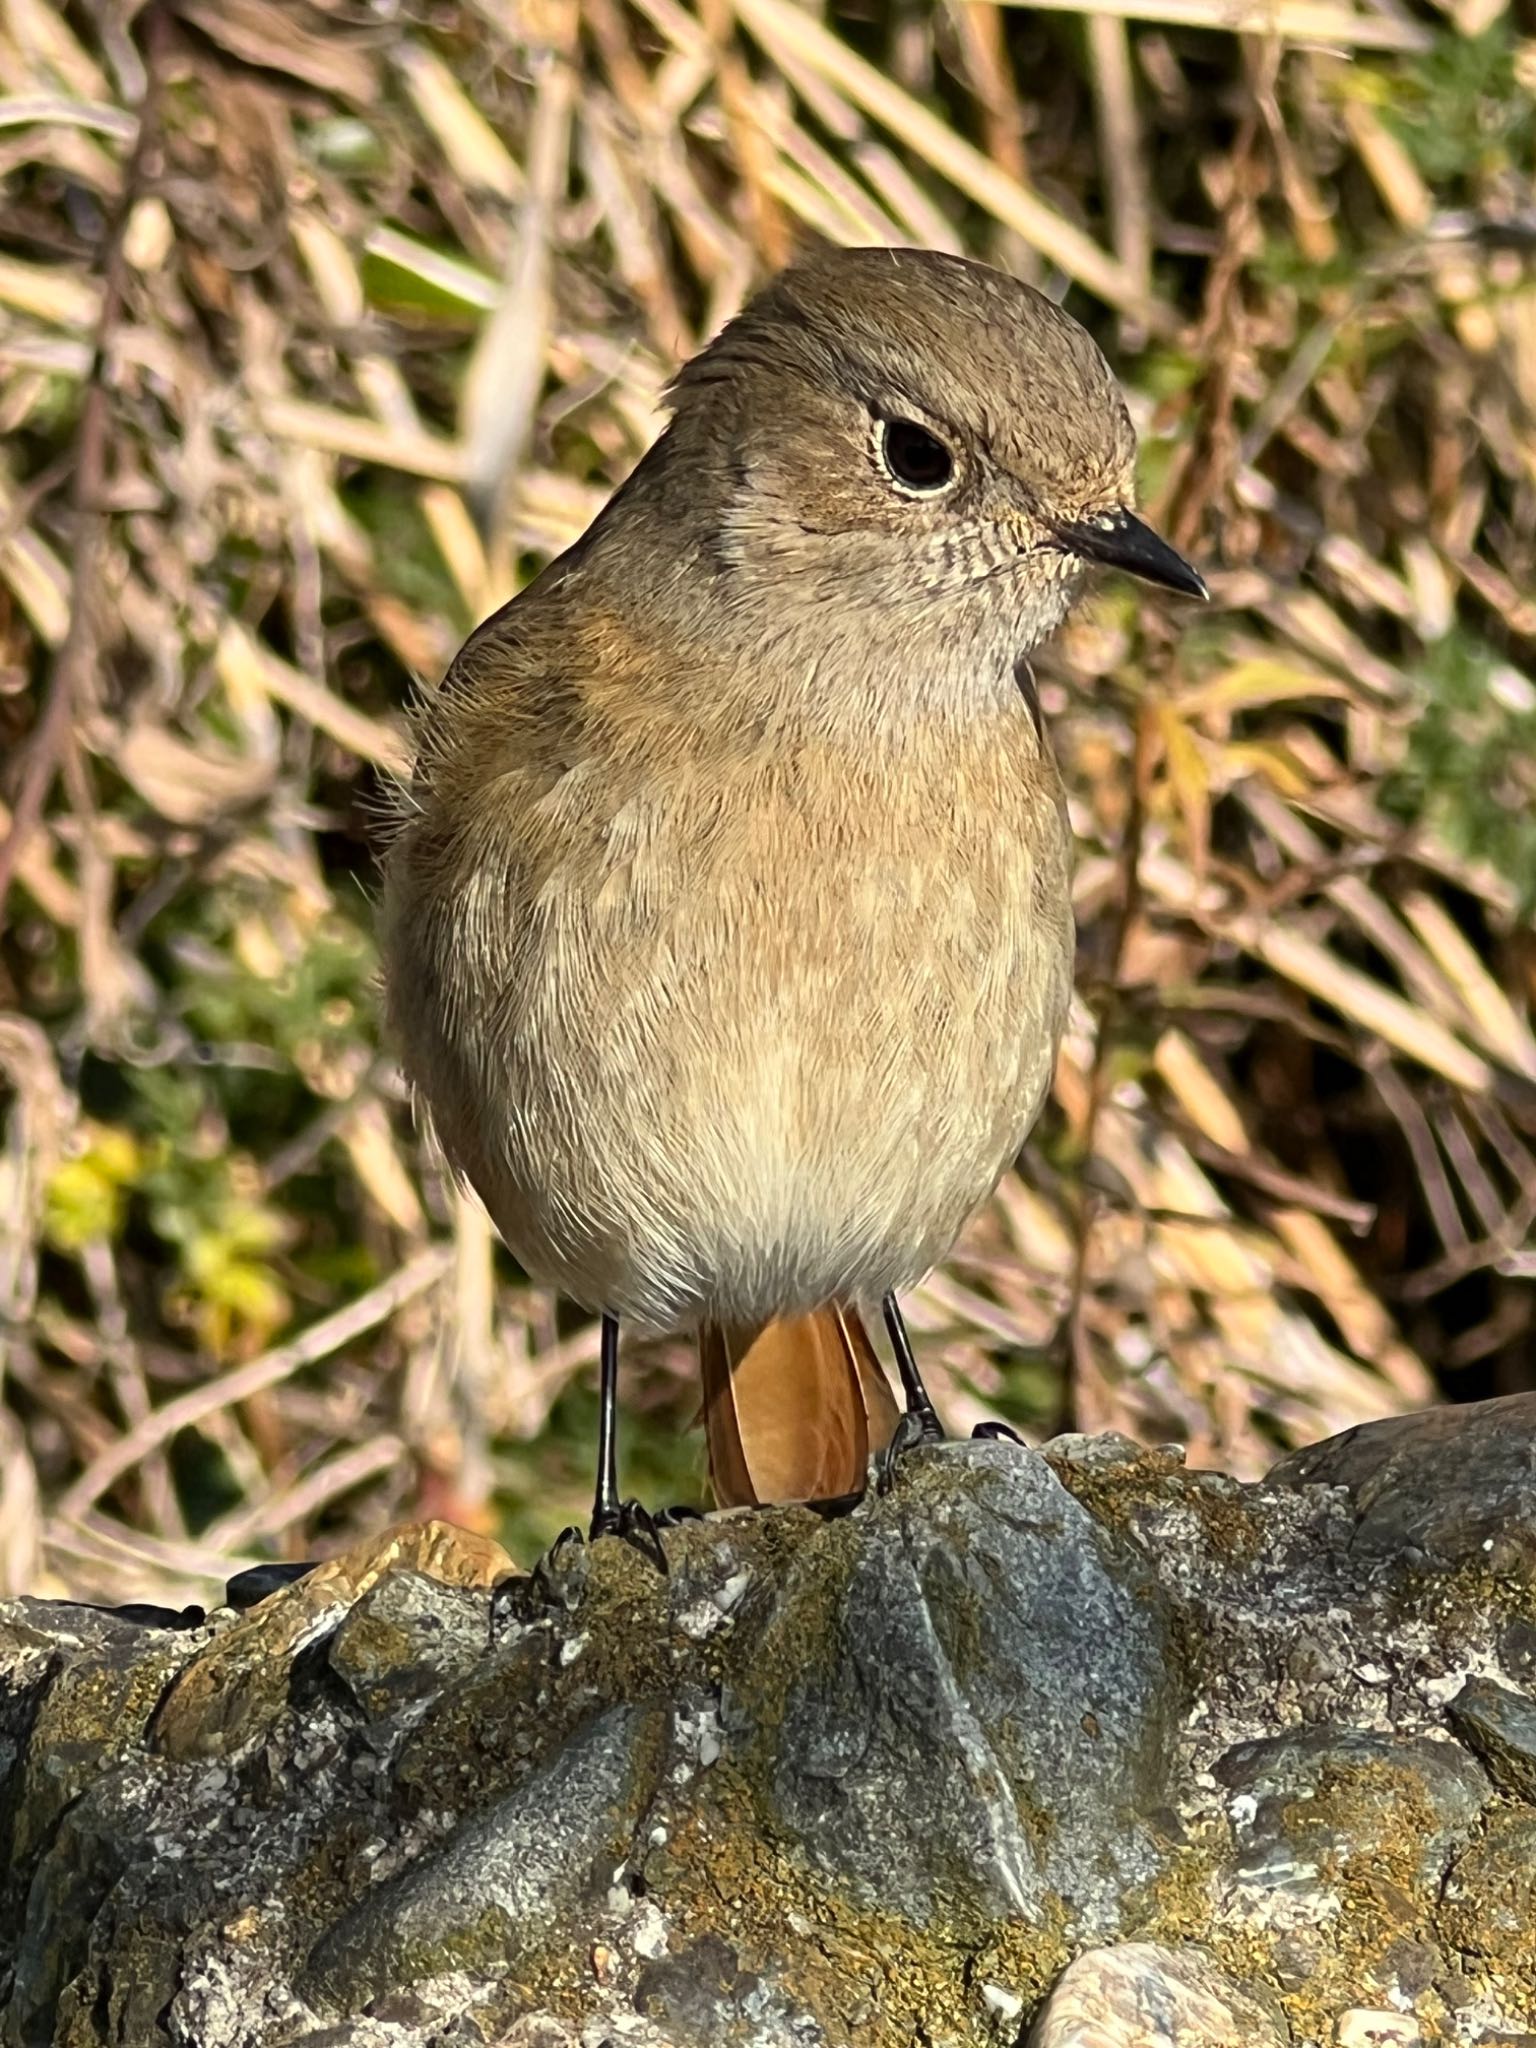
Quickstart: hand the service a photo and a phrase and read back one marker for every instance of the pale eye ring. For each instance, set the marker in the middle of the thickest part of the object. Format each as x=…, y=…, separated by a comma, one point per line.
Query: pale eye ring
x=915, y=460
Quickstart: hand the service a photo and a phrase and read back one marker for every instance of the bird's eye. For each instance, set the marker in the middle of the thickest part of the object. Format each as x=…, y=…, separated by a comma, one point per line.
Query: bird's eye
x=916, y=459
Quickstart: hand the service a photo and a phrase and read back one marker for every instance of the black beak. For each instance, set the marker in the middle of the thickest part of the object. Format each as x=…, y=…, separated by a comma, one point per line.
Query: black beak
x=1119, y=540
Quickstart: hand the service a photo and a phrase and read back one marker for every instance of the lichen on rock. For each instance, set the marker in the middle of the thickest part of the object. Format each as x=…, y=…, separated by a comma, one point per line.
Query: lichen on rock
x=874, y=1778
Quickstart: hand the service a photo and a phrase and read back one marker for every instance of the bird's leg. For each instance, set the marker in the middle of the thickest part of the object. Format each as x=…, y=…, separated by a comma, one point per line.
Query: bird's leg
x=610, y=1515
x=560, y=1576
x=920, y=1409
x=605, y=1507
x=920, y=1422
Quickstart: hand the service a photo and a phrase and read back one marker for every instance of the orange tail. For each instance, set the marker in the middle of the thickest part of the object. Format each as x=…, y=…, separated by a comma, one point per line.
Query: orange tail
x=793, y=1409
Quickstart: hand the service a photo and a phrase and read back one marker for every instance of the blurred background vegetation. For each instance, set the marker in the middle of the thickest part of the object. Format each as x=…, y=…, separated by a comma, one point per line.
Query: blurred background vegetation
x=323, y=323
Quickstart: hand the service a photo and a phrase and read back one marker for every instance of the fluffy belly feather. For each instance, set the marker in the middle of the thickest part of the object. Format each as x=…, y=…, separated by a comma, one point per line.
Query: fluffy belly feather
x=763, y=1067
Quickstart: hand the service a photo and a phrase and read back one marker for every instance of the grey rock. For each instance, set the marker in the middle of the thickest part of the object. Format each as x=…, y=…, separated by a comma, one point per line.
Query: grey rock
x=1371, y=2027
x=687, y=1990
x=498, y=1883
x=1490, y=1896
x=699, y=1996
x=1141, y=1995
x=1457, y=1485
x=1319, y=1797
x=1517, y=1648
x=1500, y=1725
x=997, y=1699
x=873, y=1779
x=405, y=1638
x=1074, y=1448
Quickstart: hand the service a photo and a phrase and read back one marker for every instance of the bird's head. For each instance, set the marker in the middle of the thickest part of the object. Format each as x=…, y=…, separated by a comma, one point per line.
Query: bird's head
x=908, y=433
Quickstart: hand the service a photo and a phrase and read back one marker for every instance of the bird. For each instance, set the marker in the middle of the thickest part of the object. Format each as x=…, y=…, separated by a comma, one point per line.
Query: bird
x=726, y=924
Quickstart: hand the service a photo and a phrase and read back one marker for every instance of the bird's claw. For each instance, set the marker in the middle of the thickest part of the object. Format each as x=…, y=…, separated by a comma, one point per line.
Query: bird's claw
x=635, y=1525
x=559, y=1579
x=911, y=1432
x=996, y=1432
x=554, y=1586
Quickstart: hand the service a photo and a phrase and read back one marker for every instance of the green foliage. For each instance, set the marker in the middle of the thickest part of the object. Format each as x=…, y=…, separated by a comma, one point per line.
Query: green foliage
x=1469, y=767
x=345, y=144
x=87, y=1196
x=225, y=1239
x=179, y=1166
x=427, y=284
x=541, y=1487
x=410, y=565
x=300, y=987
x=1461, y=109
x=169, y=1173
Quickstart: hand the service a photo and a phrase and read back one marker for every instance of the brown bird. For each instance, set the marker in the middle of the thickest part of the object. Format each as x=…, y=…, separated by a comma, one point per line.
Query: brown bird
x=727, y=932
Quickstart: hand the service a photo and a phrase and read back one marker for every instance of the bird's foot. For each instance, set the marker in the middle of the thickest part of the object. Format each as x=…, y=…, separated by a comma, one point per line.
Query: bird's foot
x=559, y=1579
x=670, y=1518
x=554, y=1586
x=916, y=1428
x=634, y=1525
x=996, y=1432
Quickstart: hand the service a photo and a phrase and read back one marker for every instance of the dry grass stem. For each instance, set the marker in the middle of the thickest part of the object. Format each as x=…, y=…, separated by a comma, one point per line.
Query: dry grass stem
x=320, y=334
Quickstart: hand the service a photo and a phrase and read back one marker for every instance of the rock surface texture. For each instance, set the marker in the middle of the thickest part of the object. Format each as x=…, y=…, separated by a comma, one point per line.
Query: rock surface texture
x=1076, y=1748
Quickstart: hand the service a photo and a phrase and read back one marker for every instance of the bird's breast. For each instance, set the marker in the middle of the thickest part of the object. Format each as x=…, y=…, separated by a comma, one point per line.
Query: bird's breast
x=778, y=1027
